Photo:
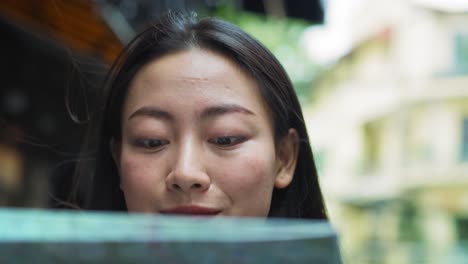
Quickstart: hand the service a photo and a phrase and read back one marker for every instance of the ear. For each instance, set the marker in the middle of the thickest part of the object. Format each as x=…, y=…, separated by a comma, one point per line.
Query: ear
x=115, y=152
x=287, y=154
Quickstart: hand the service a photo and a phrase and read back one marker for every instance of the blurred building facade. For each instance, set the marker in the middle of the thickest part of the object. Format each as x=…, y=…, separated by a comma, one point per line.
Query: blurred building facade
x=389, y=119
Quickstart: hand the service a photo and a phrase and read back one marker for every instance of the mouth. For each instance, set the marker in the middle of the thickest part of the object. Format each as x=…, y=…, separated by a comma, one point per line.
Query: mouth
x=191, y=210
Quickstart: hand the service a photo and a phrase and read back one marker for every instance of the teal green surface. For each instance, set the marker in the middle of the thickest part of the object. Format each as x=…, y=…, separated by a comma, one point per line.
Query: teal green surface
x=80, y=237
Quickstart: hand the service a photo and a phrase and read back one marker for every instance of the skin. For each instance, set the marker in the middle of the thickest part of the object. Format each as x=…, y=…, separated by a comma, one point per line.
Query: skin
x=195, y=132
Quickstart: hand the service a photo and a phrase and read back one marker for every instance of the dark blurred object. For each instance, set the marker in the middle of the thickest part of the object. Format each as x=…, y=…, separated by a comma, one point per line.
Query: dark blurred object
x=127, y=16
x=54, y=56
x=76, y=24
x=310, y=10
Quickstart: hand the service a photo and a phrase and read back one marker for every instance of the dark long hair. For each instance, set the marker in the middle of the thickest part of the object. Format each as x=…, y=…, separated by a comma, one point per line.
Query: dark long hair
x=98, y=178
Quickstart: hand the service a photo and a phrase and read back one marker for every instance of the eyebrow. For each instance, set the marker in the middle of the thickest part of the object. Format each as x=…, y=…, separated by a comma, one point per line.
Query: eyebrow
x=151, y=111
x=210, y=112
x=219, y=110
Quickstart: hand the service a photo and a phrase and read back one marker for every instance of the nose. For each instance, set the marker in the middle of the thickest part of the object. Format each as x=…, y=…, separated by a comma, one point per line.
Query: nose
x=188, y=173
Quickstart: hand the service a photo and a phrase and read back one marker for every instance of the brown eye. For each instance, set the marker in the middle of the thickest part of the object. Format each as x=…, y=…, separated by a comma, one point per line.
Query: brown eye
x=227, y=141
x=150, y=143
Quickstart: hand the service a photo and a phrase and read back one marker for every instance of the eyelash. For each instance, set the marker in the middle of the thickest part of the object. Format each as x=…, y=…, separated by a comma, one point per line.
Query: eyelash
x=234, y=140
x=150, y=143
x=158, y=143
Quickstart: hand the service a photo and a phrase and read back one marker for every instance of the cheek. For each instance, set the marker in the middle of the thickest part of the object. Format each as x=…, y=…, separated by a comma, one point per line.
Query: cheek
x=250, y=176
x=137, y=176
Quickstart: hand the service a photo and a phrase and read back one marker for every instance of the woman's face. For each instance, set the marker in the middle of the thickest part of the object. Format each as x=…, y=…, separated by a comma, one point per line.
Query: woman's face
x=197, y=139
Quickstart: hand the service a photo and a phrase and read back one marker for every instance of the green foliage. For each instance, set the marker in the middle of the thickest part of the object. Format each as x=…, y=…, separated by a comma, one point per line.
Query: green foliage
x=282, y=37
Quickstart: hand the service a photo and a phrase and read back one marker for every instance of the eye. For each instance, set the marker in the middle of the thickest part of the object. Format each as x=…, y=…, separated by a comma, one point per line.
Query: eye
x=227, y=141
x=150, y=143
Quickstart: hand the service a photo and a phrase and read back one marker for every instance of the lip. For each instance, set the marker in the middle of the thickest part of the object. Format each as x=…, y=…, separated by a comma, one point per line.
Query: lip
x=191, y=210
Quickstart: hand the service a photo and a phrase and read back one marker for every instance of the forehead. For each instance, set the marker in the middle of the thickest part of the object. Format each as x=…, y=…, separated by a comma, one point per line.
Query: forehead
x=194, y=75
x=200, y=64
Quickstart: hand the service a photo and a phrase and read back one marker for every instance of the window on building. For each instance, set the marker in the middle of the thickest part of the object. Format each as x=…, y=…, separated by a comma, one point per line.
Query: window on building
x=371, y=147
x=461, y=223
x=464, y=140
x=461, y=51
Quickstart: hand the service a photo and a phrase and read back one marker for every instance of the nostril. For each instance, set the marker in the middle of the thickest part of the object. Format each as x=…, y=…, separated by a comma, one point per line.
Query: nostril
x=196, y=185
x=175, y=186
